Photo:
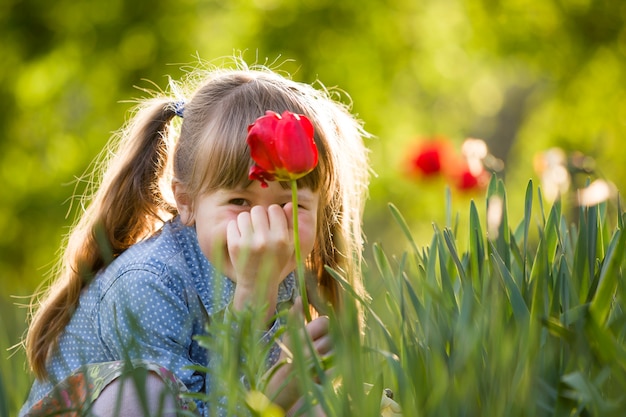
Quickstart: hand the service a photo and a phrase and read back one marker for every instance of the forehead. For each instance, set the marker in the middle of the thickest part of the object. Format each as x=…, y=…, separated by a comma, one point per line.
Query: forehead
x=274, y=188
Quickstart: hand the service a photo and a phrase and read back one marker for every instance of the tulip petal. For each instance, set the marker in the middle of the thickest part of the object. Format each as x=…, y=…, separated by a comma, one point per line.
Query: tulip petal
x=257, y=173
x=295, y=145
x=261, y=139
x=282, y=146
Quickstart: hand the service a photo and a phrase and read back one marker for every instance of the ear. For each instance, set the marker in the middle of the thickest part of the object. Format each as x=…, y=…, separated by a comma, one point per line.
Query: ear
x=184, y=202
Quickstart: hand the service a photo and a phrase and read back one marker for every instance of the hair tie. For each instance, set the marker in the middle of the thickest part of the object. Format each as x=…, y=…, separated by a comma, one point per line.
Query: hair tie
x=179, y=108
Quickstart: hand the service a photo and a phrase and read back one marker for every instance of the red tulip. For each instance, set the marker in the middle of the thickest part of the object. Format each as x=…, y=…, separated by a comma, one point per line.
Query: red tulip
x=282, y=147
x=467, y=180
x=431, y=157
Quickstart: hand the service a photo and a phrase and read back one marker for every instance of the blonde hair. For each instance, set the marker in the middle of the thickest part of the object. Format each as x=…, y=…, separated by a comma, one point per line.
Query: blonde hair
x=209, y=153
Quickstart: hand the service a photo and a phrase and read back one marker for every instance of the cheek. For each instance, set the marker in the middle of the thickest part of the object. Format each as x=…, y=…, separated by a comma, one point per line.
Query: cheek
x=307, y=230
x=211, y=239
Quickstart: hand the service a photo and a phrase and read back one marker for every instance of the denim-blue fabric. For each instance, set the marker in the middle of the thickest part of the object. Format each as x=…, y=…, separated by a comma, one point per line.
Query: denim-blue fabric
x=165, y=287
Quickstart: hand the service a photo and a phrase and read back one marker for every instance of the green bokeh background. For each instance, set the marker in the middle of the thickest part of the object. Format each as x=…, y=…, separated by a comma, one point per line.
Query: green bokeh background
x=523, y=75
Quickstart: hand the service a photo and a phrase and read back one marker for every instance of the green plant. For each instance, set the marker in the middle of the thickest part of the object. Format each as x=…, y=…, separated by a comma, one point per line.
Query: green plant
x=515, y=324
x=526, y=320
x=508, y=326
x=14, y=380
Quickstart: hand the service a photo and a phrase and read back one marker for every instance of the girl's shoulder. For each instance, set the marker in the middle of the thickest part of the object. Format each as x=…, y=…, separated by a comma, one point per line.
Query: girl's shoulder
x=168, y=256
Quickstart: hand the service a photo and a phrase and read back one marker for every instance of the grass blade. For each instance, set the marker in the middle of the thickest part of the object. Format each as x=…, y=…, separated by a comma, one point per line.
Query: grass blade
x=602, y=301
x=520, y=309
x=403, y=226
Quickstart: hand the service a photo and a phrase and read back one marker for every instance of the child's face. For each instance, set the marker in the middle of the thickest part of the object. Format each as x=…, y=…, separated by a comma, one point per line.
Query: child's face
x=248, y=230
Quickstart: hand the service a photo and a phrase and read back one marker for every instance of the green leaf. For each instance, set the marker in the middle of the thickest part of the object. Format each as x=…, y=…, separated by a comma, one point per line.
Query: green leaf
x=518, y=265
x=592, y=240
x=520, y=309
x=492, y=187
x=467, y=300
x=403, y=226
x=539, y=274
x=503, y=240
x=584, y=390
x=606, y=346
x=541, y=209
x=552, y=231
x=448, y=205
x=476, y=245
x=528, y=204
x=449, y=240
x=366, y=305
x=580, y=271
x=557, y=328
x=620, y=213
x=575, y=314
x=447, y=286
x=418, y=308
x=609, y=274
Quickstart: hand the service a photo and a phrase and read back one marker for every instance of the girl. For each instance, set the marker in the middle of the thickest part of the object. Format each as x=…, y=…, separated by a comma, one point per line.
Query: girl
x=137, y=259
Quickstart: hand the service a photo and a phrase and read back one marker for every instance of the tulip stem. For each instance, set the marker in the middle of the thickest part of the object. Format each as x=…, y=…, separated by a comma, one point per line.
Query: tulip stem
x=296, y=244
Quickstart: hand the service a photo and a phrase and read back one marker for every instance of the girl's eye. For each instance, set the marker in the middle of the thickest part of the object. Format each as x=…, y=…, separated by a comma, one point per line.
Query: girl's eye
x=238, y=201
x=300, y=206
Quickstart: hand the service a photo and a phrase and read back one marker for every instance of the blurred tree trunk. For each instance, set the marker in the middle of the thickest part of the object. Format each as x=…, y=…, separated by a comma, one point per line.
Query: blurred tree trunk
x=502, y=130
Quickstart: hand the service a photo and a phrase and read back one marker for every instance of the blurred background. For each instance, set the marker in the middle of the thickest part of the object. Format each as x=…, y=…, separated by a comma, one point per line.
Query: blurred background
x=540, y=83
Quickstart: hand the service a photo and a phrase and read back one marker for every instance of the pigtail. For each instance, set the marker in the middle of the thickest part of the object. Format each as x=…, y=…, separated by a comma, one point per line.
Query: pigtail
x=129, y=205
x=126, y=207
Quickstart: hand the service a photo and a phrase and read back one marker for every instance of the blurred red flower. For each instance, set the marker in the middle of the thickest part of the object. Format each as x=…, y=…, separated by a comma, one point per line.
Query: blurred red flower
x=430, y=157
x=467, y=180
x=438, y=157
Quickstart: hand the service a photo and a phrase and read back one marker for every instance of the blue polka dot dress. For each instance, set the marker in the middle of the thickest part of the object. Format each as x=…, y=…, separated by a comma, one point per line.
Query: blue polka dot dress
x=164, y=286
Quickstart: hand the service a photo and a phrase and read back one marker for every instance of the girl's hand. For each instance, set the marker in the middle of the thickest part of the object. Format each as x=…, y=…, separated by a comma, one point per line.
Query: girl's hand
x=283, y=386
x=317, y=330
x=261, y=250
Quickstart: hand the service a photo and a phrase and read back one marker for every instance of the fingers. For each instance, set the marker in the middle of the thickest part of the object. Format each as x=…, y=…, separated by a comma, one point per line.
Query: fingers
x=295, y=312
x=318, y=327
x=318, y=330
x=233, y=234
x=262, y=228
x=252, y=226
x=279, y=217
x=259, y=220
x=260, y=240
x=288, y=210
